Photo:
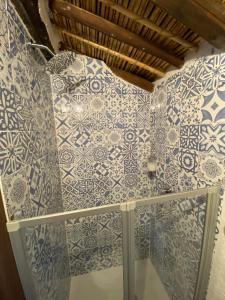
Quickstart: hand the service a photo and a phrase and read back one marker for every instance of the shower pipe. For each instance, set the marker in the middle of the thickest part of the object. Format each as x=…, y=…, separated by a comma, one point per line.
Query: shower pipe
x=40, y=46
x=128, y=217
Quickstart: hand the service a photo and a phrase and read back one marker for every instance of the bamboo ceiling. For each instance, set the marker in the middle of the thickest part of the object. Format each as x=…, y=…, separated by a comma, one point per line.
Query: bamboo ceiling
x=166, y=33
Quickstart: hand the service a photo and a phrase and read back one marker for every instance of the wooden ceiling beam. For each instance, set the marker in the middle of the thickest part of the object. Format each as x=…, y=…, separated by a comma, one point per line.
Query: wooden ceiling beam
x=149, y=24
x=216, y=7
x=85, y=17
x=134, y=79
x=114, y=53
x=196, y=16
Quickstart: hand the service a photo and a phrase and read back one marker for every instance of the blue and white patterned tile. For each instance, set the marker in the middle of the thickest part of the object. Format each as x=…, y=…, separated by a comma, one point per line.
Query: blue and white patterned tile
x=96, y=85
x=172, y=84
x=143, y=152
x=20, y=66
x=213, y=73
x=93, y=242
x=161, y=134
x=63, y=61
x=120, y=88
x=10, y=108
x=173, y=136
x=130, y=166
x=29, y=164
x=143, y=118
x=16, y=194
x=144, y=135
x=130, y=136
x=29, y=191
x=190, y=112
x=17, y=37
x=212, y=108
x=188, y=160
x=67, y=155
x=171, y=175
x=191, y=80
x=189, y=137
x=211, y=168
x=19, y=148
x=130, y=152
x=173, y=115
x=212, y=138
x=50, y=271
x=188, y=216
x=95, y=67
x=4, y=44
x=187, y=181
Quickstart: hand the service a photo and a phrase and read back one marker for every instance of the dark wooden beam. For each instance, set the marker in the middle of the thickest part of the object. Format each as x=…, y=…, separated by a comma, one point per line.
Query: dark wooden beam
x=134, y=79
x=149, y=24
x=129, y=59
x=82, y=16
x=216, y=7
x=127, y=76
x=194, y=15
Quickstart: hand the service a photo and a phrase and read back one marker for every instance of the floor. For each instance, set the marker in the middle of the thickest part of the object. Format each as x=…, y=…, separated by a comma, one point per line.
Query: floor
x=108, y=284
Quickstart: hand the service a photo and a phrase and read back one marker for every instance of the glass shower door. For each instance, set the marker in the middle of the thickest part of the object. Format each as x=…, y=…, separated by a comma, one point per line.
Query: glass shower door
x=154, y=248
x=148, y=284
x=71, y=256
x=173, y=245
x=95, y=247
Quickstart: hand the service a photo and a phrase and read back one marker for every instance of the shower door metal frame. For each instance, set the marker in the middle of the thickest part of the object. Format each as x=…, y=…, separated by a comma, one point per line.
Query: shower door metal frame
x=128, y=218
x=17, y=241
x=207, y=243
x=211, y=216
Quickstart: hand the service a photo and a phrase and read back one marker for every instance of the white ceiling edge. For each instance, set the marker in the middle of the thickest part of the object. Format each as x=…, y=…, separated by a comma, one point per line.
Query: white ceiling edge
x=53, y=34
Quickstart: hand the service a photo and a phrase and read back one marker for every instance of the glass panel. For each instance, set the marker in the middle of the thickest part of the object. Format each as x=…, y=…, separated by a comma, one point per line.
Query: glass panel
x=46, y=253
x=95, y=254
x=78, y=259
x=168, y=241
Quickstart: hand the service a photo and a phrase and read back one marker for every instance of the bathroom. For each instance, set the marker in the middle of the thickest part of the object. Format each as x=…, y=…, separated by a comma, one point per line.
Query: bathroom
x=112, y=151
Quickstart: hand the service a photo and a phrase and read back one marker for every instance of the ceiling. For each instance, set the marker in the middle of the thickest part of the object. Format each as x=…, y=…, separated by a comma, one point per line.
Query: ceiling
x=139, y=39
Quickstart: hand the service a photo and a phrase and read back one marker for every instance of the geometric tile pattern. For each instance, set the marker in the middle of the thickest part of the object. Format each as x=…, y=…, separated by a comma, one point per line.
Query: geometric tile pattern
x=104, y=136
x=99, y=126
x=189, y=137
x=171, y=234
x=105, y=130
x=47, y=256
x=213, y=107
x=94, y=242
x=28, y=160
x=29, y=166
x=199, y=140
x=194, y=119
x=212, y=138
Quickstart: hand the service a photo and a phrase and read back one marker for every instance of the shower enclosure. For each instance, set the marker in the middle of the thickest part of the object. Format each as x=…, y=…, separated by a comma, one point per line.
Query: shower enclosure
x=152, y=248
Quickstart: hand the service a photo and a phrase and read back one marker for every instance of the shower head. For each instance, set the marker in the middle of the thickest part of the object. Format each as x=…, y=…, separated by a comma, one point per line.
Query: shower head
x=34, y=45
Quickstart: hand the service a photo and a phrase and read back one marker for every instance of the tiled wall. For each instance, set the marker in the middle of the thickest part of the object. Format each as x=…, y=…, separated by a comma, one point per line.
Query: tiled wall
x=103, y=136
x=45, y=248
x=106, y=130
x=95, y=242
x=171, y=233
x=103, y=133
x=28, y=155
x=190, y=137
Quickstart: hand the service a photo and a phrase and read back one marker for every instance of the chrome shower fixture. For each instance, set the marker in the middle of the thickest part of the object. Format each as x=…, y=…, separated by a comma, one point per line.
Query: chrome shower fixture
x=34, y=45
